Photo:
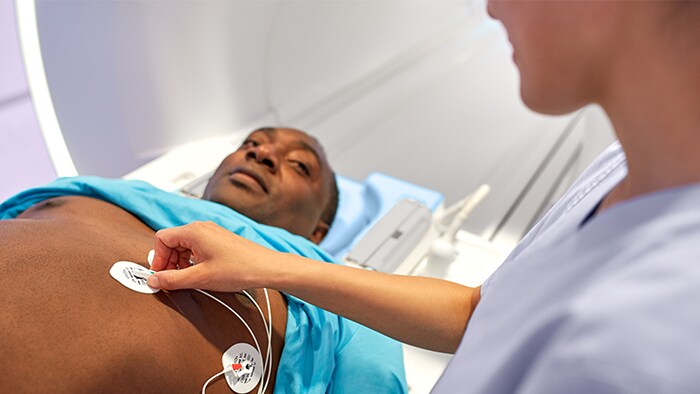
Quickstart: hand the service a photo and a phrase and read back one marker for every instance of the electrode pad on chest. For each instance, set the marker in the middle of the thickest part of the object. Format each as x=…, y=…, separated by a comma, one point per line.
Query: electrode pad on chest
x=248, y=367
x=132, y=276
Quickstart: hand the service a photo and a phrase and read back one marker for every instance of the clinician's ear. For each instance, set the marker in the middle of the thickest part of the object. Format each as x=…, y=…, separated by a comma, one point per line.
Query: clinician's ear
x=319, y=232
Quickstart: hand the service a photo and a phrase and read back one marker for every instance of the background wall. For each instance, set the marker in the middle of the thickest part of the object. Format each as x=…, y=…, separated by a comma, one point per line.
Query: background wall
x=24, y=159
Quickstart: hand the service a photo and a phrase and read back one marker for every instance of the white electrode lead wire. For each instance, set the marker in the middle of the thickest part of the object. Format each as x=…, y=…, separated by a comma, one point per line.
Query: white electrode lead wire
x=268, y=354
x=255, y=339
x=267, y=372
x=204, y=388
x=269, y=339
x=268, y=330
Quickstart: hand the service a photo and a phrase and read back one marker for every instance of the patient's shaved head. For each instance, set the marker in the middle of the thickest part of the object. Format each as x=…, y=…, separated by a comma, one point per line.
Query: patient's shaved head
x=279, y=177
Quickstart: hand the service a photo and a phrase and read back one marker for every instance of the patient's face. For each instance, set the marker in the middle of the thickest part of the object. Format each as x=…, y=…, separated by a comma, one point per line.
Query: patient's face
x=278, y=177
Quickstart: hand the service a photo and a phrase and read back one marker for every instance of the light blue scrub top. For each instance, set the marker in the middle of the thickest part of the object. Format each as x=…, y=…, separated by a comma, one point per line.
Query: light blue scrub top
x=611, y=305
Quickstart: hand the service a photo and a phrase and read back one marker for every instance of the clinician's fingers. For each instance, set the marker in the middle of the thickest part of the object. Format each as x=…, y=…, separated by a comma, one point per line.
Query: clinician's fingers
x=189, y=278
x=179, y=259
x=172, y=248
x=216, y=250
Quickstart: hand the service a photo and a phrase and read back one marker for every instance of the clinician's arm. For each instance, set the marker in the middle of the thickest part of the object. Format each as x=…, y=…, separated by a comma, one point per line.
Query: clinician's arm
x=424, y=312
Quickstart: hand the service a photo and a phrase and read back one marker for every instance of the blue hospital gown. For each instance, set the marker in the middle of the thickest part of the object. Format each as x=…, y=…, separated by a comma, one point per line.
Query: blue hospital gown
x=323, y=353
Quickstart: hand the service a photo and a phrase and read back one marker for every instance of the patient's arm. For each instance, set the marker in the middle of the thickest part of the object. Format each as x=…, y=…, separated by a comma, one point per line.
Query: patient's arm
x=424, y=312
x=67, y=326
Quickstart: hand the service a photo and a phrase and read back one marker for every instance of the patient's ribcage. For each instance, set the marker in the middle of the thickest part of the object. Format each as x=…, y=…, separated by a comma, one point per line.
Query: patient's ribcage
x=69, y=327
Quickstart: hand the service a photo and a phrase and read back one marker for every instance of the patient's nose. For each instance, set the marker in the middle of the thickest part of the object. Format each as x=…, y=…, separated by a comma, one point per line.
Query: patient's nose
x=264, y=154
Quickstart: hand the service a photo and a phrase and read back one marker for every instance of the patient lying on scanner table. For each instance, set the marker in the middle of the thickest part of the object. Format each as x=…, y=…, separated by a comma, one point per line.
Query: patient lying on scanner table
x=69, y=327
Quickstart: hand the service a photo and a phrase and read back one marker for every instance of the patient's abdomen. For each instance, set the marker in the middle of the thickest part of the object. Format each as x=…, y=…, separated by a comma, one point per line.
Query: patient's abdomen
x=69, y=327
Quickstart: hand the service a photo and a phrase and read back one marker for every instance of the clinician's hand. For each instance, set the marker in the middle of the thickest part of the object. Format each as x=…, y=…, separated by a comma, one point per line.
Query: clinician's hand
x=223, y=260
x=434, y=317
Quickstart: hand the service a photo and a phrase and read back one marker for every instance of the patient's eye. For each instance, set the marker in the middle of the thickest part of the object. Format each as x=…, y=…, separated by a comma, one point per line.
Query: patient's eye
x=301, y=167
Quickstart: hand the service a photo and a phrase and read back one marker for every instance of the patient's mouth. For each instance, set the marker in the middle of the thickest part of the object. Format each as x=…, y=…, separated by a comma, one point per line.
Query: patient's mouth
x=248, y=179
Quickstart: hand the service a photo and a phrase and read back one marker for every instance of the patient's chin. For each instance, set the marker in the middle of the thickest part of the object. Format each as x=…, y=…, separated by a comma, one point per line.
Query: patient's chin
x=243, y=203
x=251, y=207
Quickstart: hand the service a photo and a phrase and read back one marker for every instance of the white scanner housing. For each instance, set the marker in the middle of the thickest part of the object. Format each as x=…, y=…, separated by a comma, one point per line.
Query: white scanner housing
x=423, y=91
